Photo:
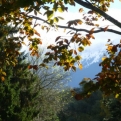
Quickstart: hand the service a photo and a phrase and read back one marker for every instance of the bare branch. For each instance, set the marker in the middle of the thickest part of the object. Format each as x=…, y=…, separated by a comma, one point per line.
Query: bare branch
x=75, y=29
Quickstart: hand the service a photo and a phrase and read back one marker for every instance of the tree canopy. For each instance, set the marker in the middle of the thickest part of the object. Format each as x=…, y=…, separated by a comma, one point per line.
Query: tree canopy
x=17, y=13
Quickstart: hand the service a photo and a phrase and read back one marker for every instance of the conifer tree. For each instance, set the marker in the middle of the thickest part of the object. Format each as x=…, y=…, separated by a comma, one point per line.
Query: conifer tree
x=18, y=93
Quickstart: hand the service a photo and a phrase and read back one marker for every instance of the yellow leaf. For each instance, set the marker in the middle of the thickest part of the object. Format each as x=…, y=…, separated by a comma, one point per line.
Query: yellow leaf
x=60, y=9
x=97, y=25
x=3, y=73
x=80, y=66
x=104, y=58
x=117, y=95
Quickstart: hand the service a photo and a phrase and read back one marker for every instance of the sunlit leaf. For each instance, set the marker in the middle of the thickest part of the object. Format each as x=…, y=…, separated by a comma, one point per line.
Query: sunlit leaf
x=117, y=95
x=60, y=9
x=80, y=66
x=78, y=57
x=81, y=10
x=103, y=58
x=4, y=73
x=80, y=49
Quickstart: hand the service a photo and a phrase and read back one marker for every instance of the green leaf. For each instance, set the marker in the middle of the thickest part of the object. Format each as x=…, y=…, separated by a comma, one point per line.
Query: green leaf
x=50, y=14
x=80, y=49
x=56, y=19
x=78, y=57
x=60, y=9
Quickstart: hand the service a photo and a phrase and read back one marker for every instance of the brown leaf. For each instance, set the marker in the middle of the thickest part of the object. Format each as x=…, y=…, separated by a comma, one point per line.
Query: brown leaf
x=105, y=29
x=30, y=67
x=35, y=67
x=57, y=38
x=66, y=41
x=40, y=42
x=91, y=31
x=81, y=10
x=78, y=97
x=75, y=52
x=37, y=33
x=90, y=12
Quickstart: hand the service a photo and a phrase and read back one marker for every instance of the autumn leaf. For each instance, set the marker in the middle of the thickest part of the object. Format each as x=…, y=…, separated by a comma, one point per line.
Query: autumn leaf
x=75, y=52
x=80, y=66
x=60, y=9
x=78, y=57
x=57, y=38
x=79, y=21
x=40, y=42
x=78, y=97
x=81, y=10
x=103, y=58
x=4, y=73
x=30, y=67
x=37, y=33
x=2, y=78
x=117, y=95
x=91, y=31
x=35, y=67
x=80, y=49
x=97, y=25
x=90, y=12
x=105, y=29
x=66, y=41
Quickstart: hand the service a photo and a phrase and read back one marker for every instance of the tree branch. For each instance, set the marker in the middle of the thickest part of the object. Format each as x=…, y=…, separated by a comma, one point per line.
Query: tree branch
x=75, y=29
x=102, y=13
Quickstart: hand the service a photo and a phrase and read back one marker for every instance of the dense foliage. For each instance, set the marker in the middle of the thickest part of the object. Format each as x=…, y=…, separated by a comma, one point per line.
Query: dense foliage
x=89, y=109
x=22, y=16
x=113, y=107
x=18, y=96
